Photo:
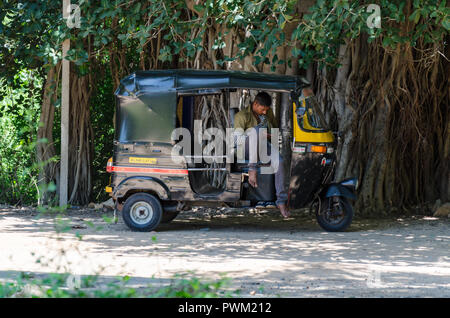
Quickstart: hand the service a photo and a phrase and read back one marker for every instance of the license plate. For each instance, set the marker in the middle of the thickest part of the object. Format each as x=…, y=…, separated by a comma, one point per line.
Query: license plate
x=150, y=161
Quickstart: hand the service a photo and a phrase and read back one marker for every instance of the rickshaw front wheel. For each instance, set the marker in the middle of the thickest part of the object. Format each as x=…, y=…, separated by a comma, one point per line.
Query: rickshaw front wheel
x=334, y=214
x=142, y=212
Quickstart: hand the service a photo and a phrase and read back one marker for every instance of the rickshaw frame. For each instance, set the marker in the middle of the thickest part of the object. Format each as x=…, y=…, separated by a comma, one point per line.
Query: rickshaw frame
x=147, y=112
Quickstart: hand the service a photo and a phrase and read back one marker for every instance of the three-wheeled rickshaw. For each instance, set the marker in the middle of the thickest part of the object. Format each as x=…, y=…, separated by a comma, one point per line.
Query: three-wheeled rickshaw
x=151, y=183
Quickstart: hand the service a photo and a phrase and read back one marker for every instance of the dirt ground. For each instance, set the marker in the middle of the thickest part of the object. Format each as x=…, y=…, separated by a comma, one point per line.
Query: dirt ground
x=264, y=255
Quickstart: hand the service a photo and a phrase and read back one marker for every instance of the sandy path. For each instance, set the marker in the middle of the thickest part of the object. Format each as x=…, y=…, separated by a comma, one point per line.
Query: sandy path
x=262, y=254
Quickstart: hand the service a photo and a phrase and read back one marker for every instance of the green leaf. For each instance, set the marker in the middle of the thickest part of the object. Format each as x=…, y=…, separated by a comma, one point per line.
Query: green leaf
x=386, y=41
x=446, y=23
x=51, y=187
x=415, y=16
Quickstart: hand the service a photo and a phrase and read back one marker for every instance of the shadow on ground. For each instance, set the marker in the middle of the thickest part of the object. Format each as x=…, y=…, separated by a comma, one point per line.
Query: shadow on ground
x=266, y=255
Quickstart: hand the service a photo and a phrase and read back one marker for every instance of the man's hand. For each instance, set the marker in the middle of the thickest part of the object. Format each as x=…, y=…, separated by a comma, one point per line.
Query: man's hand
x=252, y=178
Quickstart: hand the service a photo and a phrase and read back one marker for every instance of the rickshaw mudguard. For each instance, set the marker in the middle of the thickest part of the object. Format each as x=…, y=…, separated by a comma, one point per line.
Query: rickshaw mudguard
x=307, y=173
x=143, y=183
x=338, y=190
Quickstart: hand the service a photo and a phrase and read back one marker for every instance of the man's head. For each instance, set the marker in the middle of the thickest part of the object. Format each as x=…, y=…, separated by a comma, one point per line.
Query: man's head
x=261, y=103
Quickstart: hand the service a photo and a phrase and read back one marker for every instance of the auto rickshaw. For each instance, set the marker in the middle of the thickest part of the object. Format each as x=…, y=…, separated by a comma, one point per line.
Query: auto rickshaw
x=149, y=186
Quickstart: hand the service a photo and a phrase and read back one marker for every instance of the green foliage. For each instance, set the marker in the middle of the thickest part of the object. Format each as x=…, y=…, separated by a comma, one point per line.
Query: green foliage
x=30, y=35
x=102, y=112
x=109, y=26
x=112, y=25
x=193, y=287
x=56, y=286
x=19, y=117
x=331, y=23
x=9, y=289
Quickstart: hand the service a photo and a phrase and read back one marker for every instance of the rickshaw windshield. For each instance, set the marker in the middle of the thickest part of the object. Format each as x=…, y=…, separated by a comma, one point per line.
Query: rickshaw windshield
x=315, y=115
x=308, y=111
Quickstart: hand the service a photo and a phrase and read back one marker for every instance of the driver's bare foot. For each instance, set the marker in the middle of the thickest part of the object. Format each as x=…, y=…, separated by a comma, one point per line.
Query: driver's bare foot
x=284, y=210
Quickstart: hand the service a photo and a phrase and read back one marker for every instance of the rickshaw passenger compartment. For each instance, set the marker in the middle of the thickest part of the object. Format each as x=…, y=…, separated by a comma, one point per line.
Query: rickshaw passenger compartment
x=205, y=178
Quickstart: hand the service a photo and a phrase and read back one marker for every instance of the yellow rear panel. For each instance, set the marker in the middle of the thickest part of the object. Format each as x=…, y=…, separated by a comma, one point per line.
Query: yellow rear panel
x=303, y=136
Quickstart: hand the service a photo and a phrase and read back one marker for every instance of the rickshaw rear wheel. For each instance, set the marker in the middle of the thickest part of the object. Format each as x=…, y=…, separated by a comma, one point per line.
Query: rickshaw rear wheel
x=142, y=212
x=334, y=214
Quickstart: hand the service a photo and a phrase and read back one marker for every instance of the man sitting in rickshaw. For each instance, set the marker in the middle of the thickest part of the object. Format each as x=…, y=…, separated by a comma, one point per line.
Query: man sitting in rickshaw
x=260, y=115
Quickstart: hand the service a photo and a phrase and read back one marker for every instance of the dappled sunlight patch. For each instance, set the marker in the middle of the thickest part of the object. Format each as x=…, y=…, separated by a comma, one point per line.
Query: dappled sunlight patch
x=284, y=258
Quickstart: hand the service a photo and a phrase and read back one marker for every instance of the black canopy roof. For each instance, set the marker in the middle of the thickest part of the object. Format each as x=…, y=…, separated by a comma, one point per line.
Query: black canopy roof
x=146, y=100
x=185, y=80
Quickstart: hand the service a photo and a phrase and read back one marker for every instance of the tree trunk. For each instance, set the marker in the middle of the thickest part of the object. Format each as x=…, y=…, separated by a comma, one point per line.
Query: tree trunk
x=393, y=112
x=80, y=141
x=45, y=149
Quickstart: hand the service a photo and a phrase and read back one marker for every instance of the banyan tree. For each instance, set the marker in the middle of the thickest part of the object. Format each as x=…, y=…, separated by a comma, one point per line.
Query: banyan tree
x=380, y=69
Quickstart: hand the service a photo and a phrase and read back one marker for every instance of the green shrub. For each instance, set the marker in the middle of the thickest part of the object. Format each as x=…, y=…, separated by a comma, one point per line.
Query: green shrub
x=19, y=117
x=56, y=286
